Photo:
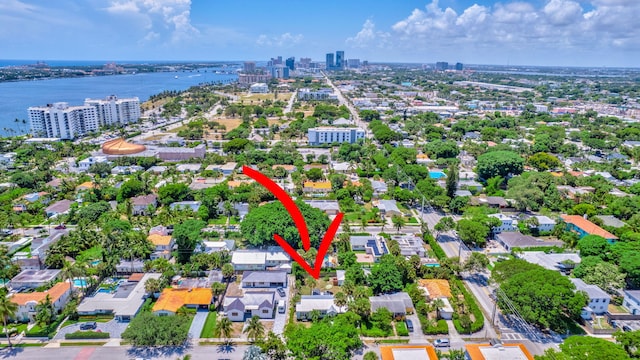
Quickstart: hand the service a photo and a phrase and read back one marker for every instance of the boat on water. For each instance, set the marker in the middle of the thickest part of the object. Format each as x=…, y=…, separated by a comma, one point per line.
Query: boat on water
x=175, y=77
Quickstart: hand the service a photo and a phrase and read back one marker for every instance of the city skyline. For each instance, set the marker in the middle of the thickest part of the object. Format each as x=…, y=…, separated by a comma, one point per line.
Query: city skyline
x=531, y=32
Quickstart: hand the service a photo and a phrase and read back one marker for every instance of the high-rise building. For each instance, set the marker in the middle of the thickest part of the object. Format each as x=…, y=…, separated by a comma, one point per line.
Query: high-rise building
x=353, y=63
x=280, y=72
x=329, y=63
x=459, y=66
x=339, y=60
x=329, y=135
x=304, y=63
x=112, y=110
x=442, y=65
x=62, y=121
x=291, y=63
x=249, y=67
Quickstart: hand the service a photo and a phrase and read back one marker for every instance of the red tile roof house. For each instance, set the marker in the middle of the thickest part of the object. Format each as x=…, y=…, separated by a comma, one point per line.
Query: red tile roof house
x=585, y=227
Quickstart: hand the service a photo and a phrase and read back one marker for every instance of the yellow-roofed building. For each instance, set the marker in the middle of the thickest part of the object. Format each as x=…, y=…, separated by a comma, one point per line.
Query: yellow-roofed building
x=173, y=299
x=317, y=186
x=163, y=245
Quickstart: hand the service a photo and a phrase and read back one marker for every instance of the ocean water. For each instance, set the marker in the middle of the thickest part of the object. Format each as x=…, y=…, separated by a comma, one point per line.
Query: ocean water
x=16, y=97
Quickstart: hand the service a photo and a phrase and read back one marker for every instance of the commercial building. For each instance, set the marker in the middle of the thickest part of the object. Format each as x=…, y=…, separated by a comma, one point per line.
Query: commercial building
x=306, y=94
x=329, y=62
x=259, y=88
x=291, y=63
x=339, y=60
x=497, y=352
x=329, y=135
x=59, y=120
x=112, y=110
x=249, y=67
x=405, y=352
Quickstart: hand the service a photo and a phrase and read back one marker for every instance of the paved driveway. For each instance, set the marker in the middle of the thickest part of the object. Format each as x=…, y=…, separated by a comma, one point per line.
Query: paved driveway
x=198, y=323
x=113, y=327
x=280, y=320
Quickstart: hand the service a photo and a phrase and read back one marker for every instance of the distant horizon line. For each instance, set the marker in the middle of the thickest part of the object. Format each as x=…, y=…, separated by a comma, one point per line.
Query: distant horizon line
x=125, y=62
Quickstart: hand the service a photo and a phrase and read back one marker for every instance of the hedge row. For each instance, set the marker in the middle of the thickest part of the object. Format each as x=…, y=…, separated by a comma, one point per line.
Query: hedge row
x=86, y=335
x=441, y=327
x=458, y=288
x=437, y=250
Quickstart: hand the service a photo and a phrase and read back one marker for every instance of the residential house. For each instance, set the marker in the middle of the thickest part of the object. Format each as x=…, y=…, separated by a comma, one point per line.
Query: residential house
x=410, y=244
x=141, y=204
x=496, y=202
x=631, y=301
x=435, y=288
x=340, y=276
x=515, y=239
x=389, y=208
x=324, y=305
x=497, y=352
x=379, y=188
x=58, y=208
x=58, y=294
x=32, y=279
x=317, y=187
x=342, y=167
x=610, y=220
x=507, y=223
x=273, y=257
x=399, y=304
x=185, y=205
x=85, y=164
x=216, y=246
x=423, y=159
x=264, y=279
x=598, y=299
x=126, y=170
x=584, y=227
x=545, y=223
x=470, y=185
x=252, y=303
x=157, y=169
x=163, y=246
x=329, y=207
x=188, y=168
x=123, y=304
x=372, y=245
x=551, y=261
x=171, y=300
x=288, y=168
x=405, y=352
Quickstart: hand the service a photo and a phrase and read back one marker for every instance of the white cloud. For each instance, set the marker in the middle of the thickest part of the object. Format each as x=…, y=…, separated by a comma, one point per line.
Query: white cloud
x=168, y=20
x=513, y=29
x=285, y=40
x=369, y=37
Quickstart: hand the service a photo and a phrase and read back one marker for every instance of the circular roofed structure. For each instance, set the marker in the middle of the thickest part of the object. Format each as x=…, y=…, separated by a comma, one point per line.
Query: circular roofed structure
x=121, y=147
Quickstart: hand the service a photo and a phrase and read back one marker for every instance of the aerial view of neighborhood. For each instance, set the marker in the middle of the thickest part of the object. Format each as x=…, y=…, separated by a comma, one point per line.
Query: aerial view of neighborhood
x=448, y=210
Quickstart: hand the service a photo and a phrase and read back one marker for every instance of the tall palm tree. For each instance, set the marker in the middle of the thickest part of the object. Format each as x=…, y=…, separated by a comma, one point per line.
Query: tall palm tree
x=223, y=328
x=255, y=329
x=8, y=310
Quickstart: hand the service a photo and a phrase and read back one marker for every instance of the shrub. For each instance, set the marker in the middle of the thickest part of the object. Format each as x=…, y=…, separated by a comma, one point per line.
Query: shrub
x=87, y=335
x=440, y=328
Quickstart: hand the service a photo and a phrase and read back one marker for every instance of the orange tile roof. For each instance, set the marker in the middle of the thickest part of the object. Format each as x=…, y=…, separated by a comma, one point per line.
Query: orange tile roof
x=286, y=167
x=587, y=226
x=556, y=174
x=136, y=277
x=85, y=185
x=576, y=173
x=236, y=183
x=159, y=240
x=320, y=185
x=54, y=293
x=387, y=351
x=473, y=350
x=422, y=156
x=174, y=299
x=436, y=287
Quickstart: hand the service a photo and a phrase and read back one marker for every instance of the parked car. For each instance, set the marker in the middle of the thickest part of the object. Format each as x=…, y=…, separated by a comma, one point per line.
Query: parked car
x=409, y=325
x=281, y=292
x=441, y=343
x=60, y=227
x=88, y=325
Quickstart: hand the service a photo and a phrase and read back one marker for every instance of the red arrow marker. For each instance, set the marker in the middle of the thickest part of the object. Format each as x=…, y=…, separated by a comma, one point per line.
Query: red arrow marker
x=301, y=224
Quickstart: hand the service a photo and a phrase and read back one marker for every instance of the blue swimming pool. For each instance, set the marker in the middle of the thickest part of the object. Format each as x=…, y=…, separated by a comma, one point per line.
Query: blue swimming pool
x=79, y=282
x=437, y=175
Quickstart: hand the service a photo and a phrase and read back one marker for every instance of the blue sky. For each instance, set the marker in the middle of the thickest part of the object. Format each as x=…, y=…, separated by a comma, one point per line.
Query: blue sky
x=527, y=32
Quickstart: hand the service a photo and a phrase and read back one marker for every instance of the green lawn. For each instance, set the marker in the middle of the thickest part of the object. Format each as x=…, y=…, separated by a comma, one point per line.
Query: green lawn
x=19, y=328
x=219, y=221
x=412, y=220
x=209, y=325
x=91, y=318
x=94, y=253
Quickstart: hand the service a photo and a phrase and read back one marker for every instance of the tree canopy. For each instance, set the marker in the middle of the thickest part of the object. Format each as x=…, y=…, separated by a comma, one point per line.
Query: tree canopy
x=585, y=348
x=329, y=339
x=499, y=163
x=262, y=222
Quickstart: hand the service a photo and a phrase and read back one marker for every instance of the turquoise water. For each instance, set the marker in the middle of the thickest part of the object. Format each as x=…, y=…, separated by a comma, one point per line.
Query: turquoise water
x=95, y=262
x=79, y=282
x=16, y=97
x=437, y=175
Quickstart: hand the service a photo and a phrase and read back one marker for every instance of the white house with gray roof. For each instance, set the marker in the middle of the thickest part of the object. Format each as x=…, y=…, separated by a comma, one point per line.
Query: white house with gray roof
x=323, y=304
x=399, y=304
x=264, y=279
x=389, y=208
x=598, y=299
x=253, y=303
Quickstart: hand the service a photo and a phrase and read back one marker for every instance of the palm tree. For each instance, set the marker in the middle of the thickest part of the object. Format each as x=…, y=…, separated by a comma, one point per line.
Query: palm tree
x=223, y=328
x=340, y=299
x=218, y=289
x=8, y=310
x=253, y=353
x=255, y=329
